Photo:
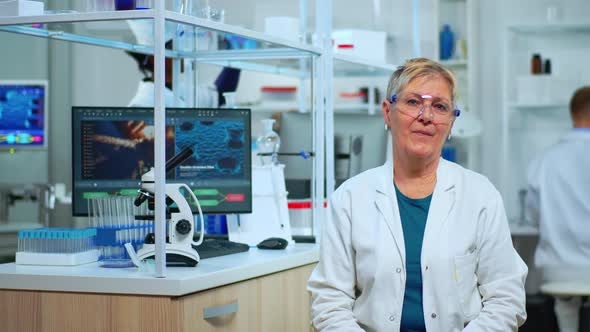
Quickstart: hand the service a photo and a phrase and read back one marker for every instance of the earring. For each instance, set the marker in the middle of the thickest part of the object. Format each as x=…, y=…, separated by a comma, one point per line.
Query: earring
x=449, y=138
x=386, y=127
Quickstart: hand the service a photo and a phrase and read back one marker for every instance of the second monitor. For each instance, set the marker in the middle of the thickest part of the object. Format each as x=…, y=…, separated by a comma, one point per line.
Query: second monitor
x=113, y=146
x=359, y=144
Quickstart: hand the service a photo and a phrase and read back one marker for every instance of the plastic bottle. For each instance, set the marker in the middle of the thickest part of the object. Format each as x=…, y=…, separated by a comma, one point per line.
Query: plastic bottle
x=269, y=143
x=447, y=42
x=536, y=64
x=449, y=152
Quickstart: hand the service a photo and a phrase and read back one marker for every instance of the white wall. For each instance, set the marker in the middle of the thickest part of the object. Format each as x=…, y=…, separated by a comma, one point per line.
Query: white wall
x=495, y=16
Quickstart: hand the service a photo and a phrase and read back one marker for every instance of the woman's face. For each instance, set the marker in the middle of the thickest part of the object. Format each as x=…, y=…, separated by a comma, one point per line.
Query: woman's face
x=421, y=136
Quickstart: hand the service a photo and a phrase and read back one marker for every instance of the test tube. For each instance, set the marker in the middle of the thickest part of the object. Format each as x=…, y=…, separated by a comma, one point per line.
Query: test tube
x=90, y=212
x=61, y=243
x=48, y=239
x=113, y=211
x=26, y=241
x=74, y=241
x=129, y=205
x=19, y=246
x=109, y=214
x=99, y=212
x=39, y=241
x=105, y=206
x=117, y=212
x=33, y=241
x=67, y=242
x=94, y=212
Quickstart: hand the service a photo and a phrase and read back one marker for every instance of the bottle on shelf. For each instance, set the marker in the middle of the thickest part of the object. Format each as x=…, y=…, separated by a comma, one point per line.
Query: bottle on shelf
x=447, y=42
x=536, y=64
x=547, y=67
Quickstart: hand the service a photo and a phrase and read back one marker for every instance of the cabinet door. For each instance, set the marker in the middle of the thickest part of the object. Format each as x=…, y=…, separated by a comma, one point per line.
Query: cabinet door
x=227, y=308
x=276, y=302
x=285, y=303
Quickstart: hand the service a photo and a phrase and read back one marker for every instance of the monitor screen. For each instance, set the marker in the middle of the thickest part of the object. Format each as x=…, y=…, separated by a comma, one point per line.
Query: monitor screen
x=23, y=112
x=358, y=137
x=112, y=148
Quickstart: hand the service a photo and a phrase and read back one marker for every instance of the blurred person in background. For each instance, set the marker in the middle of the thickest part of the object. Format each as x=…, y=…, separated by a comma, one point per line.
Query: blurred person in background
x=558, y=201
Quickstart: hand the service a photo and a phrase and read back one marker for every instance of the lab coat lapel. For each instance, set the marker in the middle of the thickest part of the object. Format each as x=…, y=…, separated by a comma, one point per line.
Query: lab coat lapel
x=443, y=200
x=386, y=202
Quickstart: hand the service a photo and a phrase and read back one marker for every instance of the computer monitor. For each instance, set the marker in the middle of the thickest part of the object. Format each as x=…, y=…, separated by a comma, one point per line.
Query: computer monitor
x=359, y=144
x=23, y=114
x=113, y=146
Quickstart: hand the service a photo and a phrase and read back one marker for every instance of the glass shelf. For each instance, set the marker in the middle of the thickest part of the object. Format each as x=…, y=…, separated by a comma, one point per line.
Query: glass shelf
x=454, y=64
x=523, y=106
x=208, y=42
x=292, y=106
x=551, y=28
x=259, y=52
x=345, y=65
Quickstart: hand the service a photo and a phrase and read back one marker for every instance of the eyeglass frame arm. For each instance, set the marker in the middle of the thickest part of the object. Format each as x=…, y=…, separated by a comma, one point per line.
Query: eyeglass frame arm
x=456, y=111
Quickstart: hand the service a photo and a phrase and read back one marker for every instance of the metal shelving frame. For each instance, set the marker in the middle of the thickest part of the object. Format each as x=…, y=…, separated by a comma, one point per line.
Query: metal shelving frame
x=324, y=67
x=285, y=49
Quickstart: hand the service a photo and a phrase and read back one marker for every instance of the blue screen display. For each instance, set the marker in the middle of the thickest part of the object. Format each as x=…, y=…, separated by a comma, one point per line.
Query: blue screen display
x=22, y=115
x=114, y=146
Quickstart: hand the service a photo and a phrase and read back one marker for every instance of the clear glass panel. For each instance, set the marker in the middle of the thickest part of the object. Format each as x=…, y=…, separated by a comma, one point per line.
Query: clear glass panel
x=185, y=41
x=282, y=19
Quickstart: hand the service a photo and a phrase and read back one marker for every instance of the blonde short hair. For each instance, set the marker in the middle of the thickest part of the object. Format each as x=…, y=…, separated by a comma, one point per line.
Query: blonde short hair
x=419, y=67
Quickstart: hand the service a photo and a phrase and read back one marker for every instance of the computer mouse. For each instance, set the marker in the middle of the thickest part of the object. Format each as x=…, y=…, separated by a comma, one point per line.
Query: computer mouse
x=273, y=243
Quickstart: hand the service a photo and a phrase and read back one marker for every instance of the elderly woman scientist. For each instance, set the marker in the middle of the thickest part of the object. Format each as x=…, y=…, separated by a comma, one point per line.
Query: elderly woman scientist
x=420, y=244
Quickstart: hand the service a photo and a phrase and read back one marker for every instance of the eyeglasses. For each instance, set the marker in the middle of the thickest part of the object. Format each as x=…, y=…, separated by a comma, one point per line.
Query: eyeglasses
x=414, y=105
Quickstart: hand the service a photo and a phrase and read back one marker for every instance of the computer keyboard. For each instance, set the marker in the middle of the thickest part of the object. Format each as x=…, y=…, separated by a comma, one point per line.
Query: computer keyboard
x=217, y=247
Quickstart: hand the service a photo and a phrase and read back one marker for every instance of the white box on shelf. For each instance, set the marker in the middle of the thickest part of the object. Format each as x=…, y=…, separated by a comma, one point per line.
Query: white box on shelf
x=543, y=89
x=364, y=44
x=283, y=27
x=21, y=8
x=278, y=93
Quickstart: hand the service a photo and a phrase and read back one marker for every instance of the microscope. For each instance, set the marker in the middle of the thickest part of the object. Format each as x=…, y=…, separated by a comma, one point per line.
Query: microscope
x=180, y=219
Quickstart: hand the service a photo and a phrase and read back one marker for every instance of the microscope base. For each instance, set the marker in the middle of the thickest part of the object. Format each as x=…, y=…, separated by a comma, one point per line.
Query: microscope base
x=175, y=255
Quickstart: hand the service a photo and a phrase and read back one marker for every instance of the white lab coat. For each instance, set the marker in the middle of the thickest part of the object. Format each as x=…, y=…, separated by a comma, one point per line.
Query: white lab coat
x=471, y=273
x=558, y=199
x=144, y=97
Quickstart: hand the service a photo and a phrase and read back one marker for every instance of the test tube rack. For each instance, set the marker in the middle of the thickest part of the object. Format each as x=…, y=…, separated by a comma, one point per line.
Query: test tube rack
x=56, y=246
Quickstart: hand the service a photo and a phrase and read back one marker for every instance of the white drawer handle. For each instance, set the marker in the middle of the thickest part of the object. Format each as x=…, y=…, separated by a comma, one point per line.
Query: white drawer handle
x=222, y=310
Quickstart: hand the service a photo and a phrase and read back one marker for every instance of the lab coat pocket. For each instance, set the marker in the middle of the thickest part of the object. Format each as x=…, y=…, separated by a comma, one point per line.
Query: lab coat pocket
x=466, y=285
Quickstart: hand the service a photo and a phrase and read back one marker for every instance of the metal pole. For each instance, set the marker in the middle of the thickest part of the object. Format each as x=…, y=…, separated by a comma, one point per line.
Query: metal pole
x=371, y=97
x=416, y=28
x=303, y=67
x=324, y=131
x=160, y=137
